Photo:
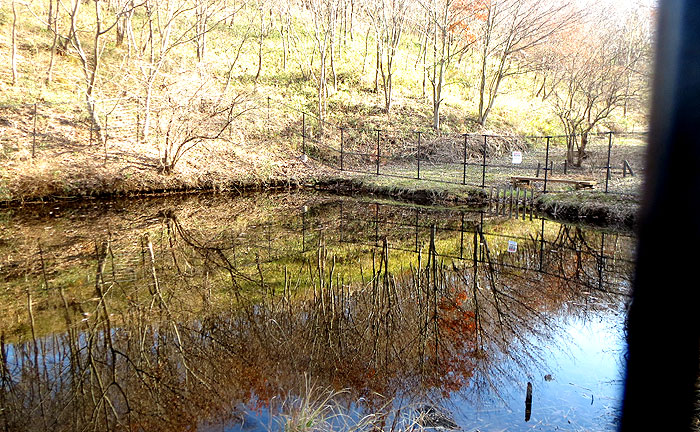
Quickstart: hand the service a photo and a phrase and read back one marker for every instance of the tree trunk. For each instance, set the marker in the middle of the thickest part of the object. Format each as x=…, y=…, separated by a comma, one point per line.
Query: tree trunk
x=376, y=68
x=581, y=153
x=49, y=71
x=50, y=17
x=14, y=43
x=261, y=40
x=482, y=85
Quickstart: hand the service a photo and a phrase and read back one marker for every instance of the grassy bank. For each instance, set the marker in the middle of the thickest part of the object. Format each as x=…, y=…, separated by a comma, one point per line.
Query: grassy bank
x=84, y=173
x=590, y=207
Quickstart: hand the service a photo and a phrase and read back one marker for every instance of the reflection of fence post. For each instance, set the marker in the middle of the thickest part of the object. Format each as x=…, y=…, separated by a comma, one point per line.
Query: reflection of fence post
x=483, y=166
x=464, y=161
x=376, y=225
x=342, y=150
x=607, y=174
x=378, y=151
x=34, y=133
x=542, y=243
x=303, y=229
x=303, y=133
x=418, y=154
x=341, y=222
x=416, y=230
x=461, y=237
x=601, y=262
x=546, y=166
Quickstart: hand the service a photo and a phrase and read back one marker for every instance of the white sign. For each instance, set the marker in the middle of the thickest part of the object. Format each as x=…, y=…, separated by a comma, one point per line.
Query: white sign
x=517, y=157
x=512, y=246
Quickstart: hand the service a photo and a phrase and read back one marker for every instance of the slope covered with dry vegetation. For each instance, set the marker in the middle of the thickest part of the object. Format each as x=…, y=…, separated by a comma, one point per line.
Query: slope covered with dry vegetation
x=133, y=96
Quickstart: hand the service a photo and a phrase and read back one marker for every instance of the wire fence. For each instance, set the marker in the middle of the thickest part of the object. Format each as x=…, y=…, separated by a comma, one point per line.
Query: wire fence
x=612, y=161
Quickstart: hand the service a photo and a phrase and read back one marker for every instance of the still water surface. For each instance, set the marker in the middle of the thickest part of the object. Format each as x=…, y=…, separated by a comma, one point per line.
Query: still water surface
x=278, y=311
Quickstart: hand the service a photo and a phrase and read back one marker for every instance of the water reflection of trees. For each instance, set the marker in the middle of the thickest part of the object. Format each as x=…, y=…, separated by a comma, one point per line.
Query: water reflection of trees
x=165, y=352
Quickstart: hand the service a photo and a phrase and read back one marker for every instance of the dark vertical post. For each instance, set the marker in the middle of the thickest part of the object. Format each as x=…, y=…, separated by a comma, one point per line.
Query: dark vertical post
x=418, y=154
x=498, y=198
x=34, y=133
x=378, y=151
x=416, y=230
x=483, y=166
x=303, y=229
x=566, y=165
x=464, y=162
x=269, y=241
x=268, y=116
x=607, y=167
x=342, y=149
x=601, y=261
x=542, y=245
x=672, y=182
x=303, y=133
x=546, y=166
x=461, y=238
x=376, y=224
x=342, y=237
x=510, y=206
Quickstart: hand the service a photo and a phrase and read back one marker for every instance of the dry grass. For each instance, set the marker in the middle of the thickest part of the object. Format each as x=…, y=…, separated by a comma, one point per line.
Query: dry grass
x=67, y=163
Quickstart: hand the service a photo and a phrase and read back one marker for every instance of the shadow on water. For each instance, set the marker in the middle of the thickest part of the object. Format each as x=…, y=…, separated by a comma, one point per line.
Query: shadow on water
x=300, y=312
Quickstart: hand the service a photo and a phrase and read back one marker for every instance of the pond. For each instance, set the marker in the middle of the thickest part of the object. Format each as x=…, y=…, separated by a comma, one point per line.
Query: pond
x=305, y=311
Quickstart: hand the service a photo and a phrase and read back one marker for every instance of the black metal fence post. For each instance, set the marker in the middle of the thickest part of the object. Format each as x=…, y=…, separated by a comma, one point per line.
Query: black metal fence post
x=483, y=165
x=607, y=174
x=418, y=154
x=342, y=150
x=378, y=151
x=546, y=166
x=464, y=161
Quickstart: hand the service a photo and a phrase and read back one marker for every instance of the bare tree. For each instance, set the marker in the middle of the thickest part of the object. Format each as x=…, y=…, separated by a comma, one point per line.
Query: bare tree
x=324, y=15
x=388, y=21
x=14, y=43
x=263, y=32
x=164, y=28
x=591, y=80
x=447, y=37
x=208, y=14
x=512, y=28
x=90, y=54
x=185, y=123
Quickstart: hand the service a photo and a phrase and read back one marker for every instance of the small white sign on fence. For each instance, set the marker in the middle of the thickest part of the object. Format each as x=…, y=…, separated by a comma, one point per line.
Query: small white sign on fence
x=512, y=246
x=517, y=157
